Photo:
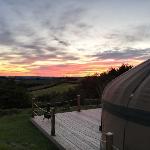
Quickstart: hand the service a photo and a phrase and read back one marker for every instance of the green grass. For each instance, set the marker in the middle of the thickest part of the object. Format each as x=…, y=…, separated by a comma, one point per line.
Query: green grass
x=17, y=133
x=64, y=87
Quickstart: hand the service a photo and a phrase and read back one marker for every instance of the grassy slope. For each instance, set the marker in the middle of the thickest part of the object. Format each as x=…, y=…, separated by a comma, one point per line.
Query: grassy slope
x=17, y=133
x=58, y=88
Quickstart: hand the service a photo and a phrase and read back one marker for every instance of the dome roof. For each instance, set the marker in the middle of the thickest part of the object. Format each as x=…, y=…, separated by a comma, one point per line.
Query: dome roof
x=126, y=109
x=131, y=89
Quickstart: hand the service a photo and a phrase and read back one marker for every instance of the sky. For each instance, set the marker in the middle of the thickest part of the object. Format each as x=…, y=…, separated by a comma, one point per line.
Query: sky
x=72, y=37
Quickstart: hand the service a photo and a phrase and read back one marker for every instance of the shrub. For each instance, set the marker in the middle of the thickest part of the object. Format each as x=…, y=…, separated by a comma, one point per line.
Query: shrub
x=13, y=96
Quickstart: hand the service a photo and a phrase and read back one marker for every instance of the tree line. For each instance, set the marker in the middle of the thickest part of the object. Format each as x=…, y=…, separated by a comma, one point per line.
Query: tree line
x=13, y=95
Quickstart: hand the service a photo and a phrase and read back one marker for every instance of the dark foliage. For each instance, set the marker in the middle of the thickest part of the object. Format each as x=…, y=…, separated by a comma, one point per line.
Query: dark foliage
x=51, y=97
x=55, y=97
x=93, y=86
x=13, y=96
x=89, y=88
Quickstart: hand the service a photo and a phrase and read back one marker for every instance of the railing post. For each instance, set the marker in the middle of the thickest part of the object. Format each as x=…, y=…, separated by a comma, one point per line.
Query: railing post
x=109, y=141
x=33, y=100
x=78, y=103
x=53, y=122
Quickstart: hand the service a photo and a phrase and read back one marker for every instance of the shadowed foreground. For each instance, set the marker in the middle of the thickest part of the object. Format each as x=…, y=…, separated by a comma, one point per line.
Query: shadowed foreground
x=17, y=133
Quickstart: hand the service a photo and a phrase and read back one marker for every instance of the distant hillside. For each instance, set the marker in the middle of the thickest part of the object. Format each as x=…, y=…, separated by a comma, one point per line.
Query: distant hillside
x=59, y=88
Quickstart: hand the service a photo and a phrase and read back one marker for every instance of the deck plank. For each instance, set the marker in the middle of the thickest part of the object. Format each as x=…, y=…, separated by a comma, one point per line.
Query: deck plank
x=74, y=130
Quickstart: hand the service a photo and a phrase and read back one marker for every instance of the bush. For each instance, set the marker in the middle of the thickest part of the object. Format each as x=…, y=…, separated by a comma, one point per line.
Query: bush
x=92, y=86
x=13, y=96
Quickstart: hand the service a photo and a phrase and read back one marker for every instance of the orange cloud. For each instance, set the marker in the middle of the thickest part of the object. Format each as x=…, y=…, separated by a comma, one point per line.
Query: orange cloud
x=66, y=69
x=80, y=69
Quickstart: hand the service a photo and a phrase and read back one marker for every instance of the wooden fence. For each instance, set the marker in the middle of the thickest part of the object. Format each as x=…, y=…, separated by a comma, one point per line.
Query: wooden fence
x=37, y=110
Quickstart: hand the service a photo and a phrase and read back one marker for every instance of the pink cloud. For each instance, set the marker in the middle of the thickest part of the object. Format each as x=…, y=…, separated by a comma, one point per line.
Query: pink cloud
x=69, y=69
x=80, y=69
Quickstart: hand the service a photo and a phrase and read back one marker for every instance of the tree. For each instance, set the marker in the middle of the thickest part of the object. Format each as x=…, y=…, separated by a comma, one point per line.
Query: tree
x=93, y=86
x=13, y=96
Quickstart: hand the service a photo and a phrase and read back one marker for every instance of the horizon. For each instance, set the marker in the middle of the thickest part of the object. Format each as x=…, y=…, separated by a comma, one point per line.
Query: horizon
x=72, y=38
x=94, y=74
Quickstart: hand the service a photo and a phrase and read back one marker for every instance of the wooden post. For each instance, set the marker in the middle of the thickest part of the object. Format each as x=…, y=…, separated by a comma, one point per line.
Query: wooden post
x=53, y=122
x=109, y=141
x=78, y=103
x=33, y=100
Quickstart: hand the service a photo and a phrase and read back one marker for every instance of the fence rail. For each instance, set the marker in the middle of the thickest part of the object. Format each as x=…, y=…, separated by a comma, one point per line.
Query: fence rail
x=38, y=110
x=76, y=104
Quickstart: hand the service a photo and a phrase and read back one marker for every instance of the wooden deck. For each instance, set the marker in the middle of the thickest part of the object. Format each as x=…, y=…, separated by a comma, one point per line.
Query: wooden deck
x=74, y=130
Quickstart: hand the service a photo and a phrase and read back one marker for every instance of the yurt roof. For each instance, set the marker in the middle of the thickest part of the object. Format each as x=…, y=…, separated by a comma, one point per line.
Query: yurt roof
x=131, y=89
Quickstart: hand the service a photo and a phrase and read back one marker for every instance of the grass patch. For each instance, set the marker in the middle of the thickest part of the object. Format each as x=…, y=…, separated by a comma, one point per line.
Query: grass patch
x=4, y=112
x=64, y=87
x=17, y=133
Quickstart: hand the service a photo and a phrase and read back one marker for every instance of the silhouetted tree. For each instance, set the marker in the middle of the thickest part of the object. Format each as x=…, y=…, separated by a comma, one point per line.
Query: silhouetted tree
x=93, y=86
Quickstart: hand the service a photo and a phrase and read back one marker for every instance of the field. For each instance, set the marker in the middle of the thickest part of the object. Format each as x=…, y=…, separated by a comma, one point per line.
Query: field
x=17, y=133
x=16, y=130
x=58, y=88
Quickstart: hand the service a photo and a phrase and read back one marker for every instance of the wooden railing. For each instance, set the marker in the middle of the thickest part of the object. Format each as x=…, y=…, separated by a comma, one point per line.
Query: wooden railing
x=39, y=109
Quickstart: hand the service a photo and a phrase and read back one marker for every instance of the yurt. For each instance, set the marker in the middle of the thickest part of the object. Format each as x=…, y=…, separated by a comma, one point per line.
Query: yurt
x=126, y=109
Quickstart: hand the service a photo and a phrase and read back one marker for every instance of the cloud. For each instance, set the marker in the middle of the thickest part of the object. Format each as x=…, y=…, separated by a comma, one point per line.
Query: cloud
x=62, y=42
x=6, y=35
x=72, y=15
x=36, y=31
x=6, y=38
x=45, y=33
x=31, y=55
x=132, y=34
x=68, y=69
x=128, y=53
x=79, y=69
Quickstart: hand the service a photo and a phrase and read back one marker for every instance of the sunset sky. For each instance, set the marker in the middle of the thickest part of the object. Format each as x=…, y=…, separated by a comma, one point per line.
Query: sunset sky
x=72, y=37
